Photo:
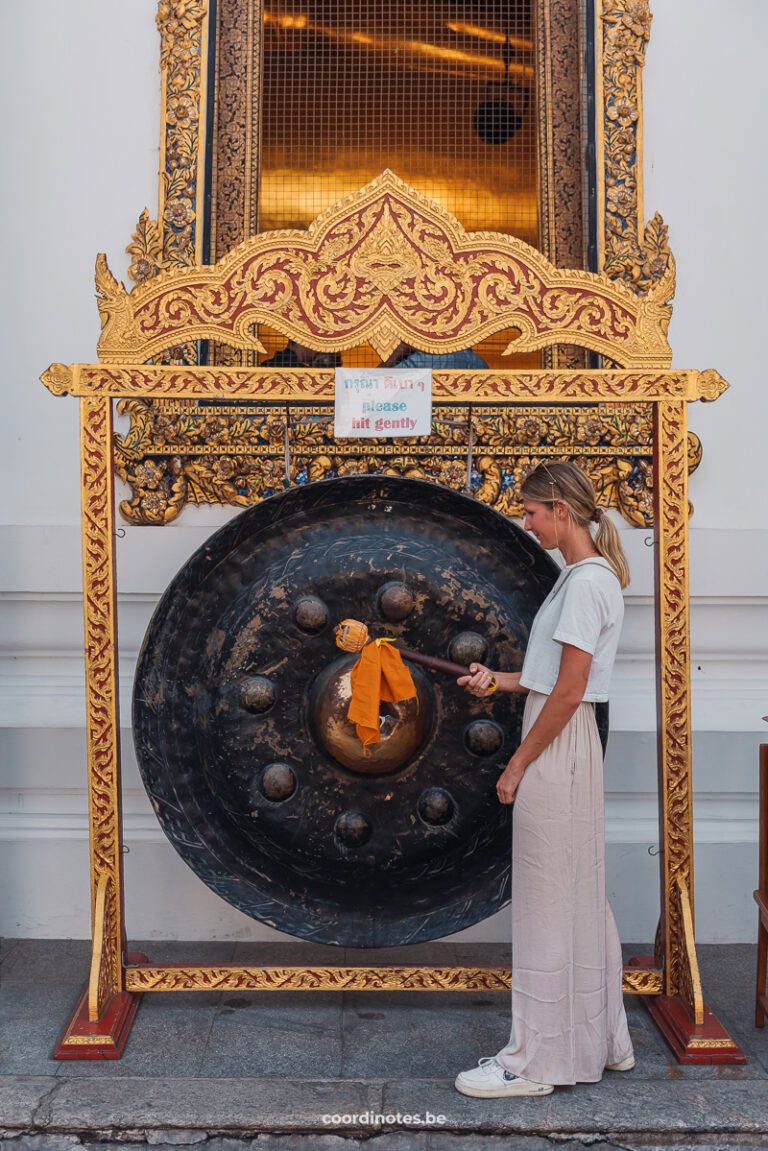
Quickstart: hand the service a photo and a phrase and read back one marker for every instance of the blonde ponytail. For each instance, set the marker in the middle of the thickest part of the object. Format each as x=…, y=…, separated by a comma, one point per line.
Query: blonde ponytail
x=607, y=542
x=563, y=480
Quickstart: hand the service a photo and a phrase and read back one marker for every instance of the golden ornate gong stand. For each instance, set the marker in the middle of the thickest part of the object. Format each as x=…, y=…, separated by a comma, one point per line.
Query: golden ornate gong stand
x=385, y=265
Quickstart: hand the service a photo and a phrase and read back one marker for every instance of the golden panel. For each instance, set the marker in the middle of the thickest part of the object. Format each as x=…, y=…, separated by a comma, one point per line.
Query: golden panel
x=562, y=141
x=635, y=253
x=175, y=238
x=104, y=962
x=673, y=677
x=229, y=978
x=235, y=153
x=690, y=979
x=711, y=1044
x=237, y=145
x=385, y=265
x=560, y=132
x=103, y=724
x=316, y=385
x=642, y=981
x=168, y=977
x=171, y=456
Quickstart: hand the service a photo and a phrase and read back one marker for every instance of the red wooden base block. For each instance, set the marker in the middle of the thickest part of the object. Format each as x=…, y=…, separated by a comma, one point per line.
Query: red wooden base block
x=709, y=1043
x=105, y=1039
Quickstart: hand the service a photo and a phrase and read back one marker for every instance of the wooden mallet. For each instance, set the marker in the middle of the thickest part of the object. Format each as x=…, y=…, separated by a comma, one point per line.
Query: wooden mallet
x=352, y=636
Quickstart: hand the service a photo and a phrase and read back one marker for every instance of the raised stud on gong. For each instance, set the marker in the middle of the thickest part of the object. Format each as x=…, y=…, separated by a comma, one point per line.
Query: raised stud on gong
x=395, y=601
x=352, y=829
x=257, y=694
x=468, y=647
x=278, y=782
x=483, y=737
x=311, y=614
x=435, y=806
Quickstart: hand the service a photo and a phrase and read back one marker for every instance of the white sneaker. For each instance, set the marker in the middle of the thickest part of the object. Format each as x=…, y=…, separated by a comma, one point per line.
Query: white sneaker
x=489, y=1080
x=625, y=1065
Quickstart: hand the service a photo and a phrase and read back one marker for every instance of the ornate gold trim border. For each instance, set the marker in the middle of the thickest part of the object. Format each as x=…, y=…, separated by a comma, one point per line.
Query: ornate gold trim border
x=632, y=252
x=228, y=977
x=673, y=687
x=102, y=697
x=317, y=385
x=175, y=238
x=560, y=99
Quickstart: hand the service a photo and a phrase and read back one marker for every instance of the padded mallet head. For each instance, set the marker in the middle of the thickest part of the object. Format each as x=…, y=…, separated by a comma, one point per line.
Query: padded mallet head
x=351, y=635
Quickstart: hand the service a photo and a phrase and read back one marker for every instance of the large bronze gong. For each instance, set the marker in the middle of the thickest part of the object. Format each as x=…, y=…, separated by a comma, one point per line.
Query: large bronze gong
x=240, y=700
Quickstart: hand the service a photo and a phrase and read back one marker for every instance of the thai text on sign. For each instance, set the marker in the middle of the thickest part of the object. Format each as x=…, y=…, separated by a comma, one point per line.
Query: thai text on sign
x=383, y=402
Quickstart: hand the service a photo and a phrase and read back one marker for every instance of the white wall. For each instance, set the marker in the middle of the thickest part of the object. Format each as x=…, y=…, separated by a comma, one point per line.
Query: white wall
x=80, y=140
x=706, y=171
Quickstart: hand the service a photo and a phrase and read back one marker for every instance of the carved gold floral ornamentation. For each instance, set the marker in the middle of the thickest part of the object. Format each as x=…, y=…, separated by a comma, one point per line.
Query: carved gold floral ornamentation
x=671, y=512
x=103, y=730
x=172, y=455
x=634, y=253
x=711, y=385
x=58, y=379
x=174, y=241
x=384, y=265
x=229, y=977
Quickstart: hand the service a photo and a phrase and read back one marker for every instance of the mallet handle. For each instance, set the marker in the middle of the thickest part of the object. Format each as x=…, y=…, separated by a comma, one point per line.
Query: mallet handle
x=433, y=662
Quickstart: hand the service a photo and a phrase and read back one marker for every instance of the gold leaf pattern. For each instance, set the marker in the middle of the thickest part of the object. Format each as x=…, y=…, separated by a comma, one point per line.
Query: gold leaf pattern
x=626, y=27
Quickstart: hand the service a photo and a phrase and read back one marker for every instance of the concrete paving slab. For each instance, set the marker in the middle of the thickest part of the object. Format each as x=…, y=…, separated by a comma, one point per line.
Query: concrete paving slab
x=615, y=1107
x=288, y=954
x=728, y=979
x=43, y=1143
x=48, y=960
x=242, y=1105
x=415, y=955
x=388, y=1141
x=250, y=1106
x=263, y=1142
x=7, y=947
x=264, y=1033
x=420, y=1035
x=183, y=951
x=169, y=1038
x=21, y=1097
x=32, y=1018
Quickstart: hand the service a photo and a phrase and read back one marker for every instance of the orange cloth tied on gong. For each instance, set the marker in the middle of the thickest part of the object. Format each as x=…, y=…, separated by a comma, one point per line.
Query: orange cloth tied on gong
x=379, y=674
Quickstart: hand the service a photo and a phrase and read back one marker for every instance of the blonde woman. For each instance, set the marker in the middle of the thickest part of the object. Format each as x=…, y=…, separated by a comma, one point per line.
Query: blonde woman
x=568, y=1020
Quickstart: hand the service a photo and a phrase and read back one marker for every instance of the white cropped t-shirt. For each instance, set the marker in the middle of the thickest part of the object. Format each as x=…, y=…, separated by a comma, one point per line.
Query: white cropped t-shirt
x=585, y=608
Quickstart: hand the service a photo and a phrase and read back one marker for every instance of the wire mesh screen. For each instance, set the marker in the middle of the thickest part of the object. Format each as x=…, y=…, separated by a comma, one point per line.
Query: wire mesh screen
x=440, y=92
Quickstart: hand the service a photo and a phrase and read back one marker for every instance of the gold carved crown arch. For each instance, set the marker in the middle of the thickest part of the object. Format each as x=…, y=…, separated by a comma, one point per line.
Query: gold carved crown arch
x=385, y=264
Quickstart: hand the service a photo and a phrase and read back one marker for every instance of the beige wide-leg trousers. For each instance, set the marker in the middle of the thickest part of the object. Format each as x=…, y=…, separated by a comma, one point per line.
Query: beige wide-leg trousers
x=568, y=1016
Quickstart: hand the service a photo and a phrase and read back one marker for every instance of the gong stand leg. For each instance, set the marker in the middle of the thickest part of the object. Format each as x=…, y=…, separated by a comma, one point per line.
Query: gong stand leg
x=692, y=1031
x=102, y=1019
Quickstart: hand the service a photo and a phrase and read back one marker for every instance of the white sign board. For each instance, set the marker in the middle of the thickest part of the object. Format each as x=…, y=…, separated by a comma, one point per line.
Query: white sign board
x=383, y=402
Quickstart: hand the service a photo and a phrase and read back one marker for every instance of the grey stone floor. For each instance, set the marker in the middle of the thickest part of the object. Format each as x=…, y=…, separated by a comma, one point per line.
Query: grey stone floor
x=263, y=1069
